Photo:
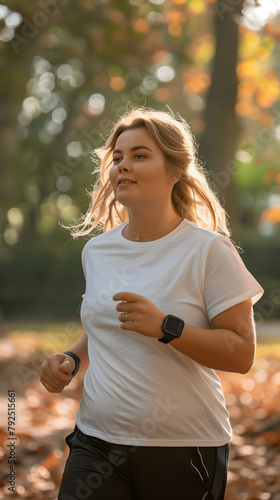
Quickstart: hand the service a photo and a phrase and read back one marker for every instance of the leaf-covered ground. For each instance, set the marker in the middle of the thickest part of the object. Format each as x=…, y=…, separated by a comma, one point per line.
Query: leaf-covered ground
x=43, y=420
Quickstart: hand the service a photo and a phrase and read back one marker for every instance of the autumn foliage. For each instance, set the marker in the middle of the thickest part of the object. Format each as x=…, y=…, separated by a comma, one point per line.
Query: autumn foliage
x=44, y=420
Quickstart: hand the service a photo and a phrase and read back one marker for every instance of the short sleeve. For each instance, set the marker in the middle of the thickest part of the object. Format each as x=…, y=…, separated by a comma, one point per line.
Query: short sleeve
x=227, y=281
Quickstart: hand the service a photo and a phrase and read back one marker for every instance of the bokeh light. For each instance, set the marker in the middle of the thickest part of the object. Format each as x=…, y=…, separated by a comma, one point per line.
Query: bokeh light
x=165, y=73
x=96, y=104
x=74, y=149
x=63, y=183
x=15, y=217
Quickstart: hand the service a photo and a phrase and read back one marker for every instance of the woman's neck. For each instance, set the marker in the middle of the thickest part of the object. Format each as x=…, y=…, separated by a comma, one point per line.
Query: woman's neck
x=150, y=227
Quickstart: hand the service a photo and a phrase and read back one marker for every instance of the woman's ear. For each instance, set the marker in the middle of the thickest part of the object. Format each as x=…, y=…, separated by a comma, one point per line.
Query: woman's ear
x=173, y=179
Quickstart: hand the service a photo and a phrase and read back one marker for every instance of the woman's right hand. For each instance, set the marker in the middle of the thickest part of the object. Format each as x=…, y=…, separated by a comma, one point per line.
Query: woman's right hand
x=56, y=372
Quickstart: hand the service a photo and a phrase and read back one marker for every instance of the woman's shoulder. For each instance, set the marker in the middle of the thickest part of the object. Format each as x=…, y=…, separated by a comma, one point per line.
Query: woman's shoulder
x=103, y=237
x=203, y=234
x=206, y=242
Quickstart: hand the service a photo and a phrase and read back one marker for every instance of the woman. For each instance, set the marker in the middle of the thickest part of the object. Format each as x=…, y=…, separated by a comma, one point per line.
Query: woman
x=167, y=302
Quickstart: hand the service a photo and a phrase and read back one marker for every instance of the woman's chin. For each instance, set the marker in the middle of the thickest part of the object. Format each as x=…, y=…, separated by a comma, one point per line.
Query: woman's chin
x=128, y=201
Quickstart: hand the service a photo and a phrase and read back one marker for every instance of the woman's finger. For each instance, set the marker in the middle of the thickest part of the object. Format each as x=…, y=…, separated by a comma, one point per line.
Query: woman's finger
x=126, y=317
x=125, y=307
x=129, y=325
x=127, y=296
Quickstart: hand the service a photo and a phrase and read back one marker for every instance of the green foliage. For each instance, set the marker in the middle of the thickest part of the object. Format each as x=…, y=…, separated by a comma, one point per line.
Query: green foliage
x=261, y=257
x=44, y=279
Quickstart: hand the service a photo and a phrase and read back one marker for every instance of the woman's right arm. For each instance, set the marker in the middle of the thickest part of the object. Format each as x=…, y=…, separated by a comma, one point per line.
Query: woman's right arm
x=57, y=368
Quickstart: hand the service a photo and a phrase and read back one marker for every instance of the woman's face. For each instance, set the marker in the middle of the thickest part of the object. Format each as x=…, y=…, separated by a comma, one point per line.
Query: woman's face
x=138, y=174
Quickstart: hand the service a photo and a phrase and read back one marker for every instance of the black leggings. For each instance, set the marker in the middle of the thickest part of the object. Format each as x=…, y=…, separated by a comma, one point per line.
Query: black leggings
x=98, y=470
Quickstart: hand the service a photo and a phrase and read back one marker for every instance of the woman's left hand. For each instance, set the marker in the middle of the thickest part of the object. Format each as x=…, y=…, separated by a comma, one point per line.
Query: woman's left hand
x=139, y=314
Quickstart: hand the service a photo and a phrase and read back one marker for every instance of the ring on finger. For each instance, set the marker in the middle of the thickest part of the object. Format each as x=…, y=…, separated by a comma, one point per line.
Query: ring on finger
x=126, y=316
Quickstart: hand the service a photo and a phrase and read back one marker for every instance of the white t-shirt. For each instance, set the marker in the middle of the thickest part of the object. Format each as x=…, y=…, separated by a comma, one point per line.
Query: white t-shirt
x=138, y=391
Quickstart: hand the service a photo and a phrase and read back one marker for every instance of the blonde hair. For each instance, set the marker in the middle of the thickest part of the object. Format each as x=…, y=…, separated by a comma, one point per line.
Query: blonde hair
x=192, y=197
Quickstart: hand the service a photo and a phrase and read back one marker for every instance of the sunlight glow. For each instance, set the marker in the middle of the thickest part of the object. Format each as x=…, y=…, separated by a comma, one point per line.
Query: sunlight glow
x=255, y=17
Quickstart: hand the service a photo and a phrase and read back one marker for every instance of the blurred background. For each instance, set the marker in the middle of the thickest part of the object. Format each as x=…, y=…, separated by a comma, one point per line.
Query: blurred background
x=69, y=69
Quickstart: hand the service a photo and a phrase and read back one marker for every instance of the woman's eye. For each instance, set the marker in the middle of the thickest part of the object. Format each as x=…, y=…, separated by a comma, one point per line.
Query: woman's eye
x=116, y=160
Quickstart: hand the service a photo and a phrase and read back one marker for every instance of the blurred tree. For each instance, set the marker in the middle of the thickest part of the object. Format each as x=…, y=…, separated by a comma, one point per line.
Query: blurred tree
x=218, y=143
x=69, y=70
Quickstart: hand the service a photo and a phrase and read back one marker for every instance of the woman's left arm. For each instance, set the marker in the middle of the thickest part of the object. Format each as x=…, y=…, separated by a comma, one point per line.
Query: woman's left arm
x=229, y=345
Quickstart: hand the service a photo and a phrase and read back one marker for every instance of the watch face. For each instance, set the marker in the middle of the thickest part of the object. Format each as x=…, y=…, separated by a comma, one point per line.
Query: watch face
x=173, y=325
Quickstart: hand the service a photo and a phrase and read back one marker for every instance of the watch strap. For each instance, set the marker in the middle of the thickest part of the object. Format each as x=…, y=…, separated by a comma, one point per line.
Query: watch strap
x=166, y=338
x=76, y=359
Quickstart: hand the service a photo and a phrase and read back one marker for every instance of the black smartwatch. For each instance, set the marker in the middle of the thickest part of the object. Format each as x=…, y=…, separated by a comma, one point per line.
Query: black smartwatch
x=77, y=361
x=172, y=328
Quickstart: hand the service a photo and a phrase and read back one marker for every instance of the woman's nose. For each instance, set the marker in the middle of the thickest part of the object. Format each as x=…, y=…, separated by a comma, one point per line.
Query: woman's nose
x=123, y=165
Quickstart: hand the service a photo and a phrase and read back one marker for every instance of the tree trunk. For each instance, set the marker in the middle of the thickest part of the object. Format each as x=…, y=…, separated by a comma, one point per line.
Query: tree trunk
x=217, y=146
